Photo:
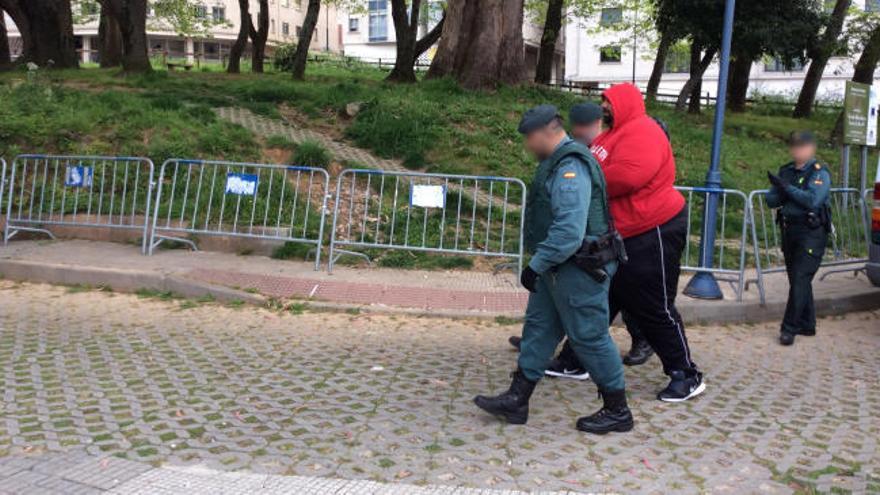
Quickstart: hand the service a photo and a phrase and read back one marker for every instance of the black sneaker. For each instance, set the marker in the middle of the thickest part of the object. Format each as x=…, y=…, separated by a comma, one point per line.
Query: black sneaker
x=515, y=341
x=563, y=370
x=639, y=353
x=681, y=387
x=786, y=338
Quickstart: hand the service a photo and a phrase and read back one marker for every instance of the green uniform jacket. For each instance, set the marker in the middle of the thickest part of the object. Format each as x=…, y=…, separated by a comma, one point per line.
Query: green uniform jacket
x=808, y=190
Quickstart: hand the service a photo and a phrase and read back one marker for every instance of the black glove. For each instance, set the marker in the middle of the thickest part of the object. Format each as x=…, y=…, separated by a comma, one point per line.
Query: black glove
x=528, y=277
x=776, y=181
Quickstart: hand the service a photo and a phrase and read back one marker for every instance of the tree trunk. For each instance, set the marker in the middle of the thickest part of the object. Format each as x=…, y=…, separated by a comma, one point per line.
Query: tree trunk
x=738, y=84
x=406, y=30
x=482, y=44
x=429, y=39
x=699, y=62
x=5, y=54
x=547, y=51
x=240, y=44
x=47, y=31
x=109, y=41
x=131, y=15
x=305, y=38
x=694, y=99
x=823, y=51
x=259, y=37
x=659, y=66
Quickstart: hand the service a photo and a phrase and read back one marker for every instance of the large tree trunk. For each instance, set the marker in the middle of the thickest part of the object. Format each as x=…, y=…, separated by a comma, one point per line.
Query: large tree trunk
x=429, y=38
x=694, y=98
x=659, y=66
x=131, y=15
x=820, y=54
x=547, y=51
x=109, y=41
x=47, y=29
x=5, y=53
x=738, y=83
x=259, y=37
x=482, y=44
x=240, y=44
x=699, y=62
x=406, y=29
x=305, y=38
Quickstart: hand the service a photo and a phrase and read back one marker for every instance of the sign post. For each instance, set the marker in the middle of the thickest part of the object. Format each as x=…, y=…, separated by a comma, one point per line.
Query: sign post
x=861, y=105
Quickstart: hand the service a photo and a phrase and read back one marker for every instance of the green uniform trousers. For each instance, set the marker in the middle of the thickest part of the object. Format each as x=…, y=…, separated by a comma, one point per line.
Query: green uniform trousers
x=568, y=302
x=803, y=248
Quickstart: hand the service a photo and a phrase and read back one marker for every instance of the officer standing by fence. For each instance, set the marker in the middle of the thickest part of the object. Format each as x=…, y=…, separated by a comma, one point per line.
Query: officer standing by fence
x=801, y=192
x=573, y=259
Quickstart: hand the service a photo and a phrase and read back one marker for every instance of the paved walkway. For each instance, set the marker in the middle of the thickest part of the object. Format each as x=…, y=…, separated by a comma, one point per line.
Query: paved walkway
x=450, y=293
x=189, y=387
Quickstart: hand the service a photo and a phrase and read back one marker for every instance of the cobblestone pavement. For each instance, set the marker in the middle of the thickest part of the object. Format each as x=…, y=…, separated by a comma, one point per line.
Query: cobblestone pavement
x=188, y=385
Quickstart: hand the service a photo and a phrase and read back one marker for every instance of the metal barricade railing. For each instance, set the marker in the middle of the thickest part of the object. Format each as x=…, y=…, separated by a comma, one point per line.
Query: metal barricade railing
x=48, y=191
x=731, y=234
x=453, y=214
x=2, y=185
x=245, y=200
x=847, y=242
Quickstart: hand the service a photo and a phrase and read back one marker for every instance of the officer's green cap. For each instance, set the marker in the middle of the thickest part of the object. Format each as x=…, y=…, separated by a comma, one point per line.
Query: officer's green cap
x=801, y=138
x=585, y=113
x=536, y=118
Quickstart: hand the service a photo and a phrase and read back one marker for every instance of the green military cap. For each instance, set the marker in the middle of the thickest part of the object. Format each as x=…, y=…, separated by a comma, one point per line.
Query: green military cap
x=585, y=113
x=800, y=138
x=536, y=118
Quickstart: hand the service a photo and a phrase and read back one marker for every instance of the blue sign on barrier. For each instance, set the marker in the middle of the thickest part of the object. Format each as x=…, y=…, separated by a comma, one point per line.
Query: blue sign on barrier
x=241, y=184
x=78, y=176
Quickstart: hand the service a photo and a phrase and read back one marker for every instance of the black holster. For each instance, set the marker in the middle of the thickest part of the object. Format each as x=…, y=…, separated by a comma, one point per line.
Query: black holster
x=595, y=254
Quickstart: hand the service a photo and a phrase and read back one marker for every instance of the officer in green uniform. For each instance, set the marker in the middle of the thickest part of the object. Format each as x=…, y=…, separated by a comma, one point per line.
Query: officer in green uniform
x=801, y=192
x=566, y=215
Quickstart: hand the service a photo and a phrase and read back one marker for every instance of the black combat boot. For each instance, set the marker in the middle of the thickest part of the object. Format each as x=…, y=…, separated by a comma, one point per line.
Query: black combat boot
x=639, y=353
x=614, y=415
x=512, y=405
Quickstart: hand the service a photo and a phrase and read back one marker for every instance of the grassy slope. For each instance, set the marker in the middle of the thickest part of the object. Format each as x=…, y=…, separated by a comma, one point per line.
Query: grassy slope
x=433, y=125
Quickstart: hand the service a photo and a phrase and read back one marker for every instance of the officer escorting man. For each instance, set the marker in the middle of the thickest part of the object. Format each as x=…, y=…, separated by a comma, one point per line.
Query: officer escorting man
x=801, y=192
x=586, y=125
x=574, y=255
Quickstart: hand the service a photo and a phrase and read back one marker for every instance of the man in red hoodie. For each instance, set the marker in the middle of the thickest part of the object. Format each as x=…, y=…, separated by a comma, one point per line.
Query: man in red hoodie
x=650, y=214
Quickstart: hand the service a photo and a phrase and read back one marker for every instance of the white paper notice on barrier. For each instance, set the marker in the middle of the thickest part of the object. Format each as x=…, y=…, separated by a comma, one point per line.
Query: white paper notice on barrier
x=427, y=196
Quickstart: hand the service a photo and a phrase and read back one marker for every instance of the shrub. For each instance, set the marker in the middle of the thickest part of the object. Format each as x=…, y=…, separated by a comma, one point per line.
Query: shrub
x=311, y=154
x=283, y=57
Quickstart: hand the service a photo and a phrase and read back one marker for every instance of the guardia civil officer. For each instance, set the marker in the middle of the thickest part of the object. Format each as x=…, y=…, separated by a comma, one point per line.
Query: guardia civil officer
x=801, y=192
x=586, y=125
x=574, y=256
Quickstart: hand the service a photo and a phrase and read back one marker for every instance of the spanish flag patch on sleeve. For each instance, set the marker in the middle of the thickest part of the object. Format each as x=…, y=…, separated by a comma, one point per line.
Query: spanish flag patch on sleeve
x=569, y=175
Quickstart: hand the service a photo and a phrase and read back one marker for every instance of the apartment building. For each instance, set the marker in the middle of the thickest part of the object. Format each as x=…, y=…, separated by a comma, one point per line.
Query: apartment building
x=597, y=54
x=221, y=24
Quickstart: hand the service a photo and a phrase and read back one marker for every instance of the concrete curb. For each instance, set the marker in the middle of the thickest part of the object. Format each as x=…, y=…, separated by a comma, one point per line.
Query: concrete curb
x=693, y=311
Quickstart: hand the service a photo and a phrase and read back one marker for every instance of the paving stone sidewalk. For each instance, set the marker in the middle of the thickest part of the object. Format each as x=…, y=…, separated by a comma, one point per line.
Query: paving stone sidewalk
x=189, y=386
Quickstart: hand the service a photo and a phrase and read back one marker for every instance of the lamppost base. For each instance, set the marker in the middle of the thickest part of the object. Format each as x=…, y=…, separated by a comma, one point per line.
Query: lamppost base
x=703, y=286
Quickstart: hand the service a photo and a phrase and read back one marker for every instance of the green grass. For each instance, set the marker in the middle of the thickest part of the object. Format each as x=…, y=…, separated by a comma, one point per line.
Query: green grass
x=311, y=154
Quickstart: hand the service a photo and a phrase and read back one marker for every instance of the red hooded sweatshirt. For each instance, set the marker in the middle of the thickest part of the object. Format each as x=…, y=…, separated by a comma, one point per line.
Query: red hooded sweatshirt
x=639, y=167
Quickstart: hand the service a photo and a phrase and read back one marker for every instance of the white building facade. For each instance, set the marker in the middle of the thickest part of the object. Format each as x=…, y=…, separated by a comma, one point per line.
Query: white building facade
x=596, y=56
x=368, y=34
x=221, y=20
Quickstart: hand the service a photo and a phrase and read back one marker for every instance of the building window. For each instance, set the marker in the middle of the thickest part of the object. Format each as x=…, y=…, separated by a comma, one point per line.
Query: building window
x=285, y=29
x=273, y=26
x=776, y=65
x=611, y=16
x=299, y=31
x=609, y=54
x=201, y=12
x=353, y=24
x=90, y=8
x=378, y=20
x=219, y=14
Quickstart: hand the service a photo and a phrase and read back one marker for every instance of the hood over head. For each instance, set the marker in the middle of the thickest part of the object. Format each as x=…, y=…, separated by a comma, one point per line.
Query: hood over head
x=626, y=102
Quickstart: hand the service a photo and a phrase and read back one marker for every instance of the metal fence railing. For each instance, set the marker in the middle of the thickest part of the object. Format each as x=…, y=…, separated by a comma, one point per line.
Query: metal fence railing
x=847, y=243
x=731, y=234
x=247, y=200
x=454, y=214
x=47, y=191
x=2, y=185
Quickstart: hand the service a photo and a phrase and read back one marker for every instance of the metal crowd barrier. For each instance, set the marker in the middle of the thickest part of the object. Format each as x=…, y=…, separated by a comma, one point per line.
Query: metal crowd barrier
x=731, y=234
x=78, y=191
x=2, y=184
x=249, y=200
x=454, y=214
x=847, y=243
